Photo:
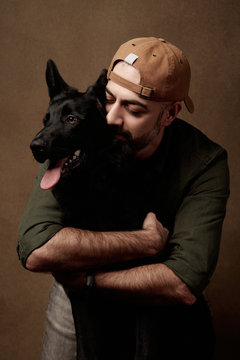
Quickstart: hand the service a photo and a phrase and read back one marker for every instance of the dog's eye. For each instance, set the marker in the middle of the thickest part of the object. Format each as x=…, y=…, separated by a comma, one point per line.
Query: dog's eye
x=70, y=119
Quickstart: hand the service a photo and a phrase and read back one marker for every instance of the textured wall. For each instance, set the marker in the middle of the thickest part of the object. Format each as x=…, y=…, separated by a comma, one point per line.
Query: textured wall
x=81, y=36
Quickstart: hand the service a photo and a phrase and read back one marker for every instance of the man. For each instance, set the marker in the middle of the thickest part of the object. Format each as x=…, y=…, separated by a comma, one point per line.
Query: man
x=155, y=309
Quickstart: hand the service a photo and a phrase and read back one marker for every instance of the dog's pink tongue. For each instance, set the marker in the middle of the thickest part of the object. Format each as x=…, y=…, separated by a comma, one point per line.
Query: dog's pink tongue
x=52, y=176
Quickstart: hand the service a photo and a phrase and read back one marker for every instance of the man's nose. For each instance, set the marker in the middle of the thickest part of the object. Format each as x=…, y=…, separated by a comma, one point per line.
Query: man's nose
x=114, y=115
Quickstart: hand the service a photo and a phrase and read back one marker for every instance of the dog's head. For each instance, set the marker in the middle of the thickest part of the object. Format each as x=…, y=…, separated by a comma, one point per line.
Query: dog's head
x=74, y=124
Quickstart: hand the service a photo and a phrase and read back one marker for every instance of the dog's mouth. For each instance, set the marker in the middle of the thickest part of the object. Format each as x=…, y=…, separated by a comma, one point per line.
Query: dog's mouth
x=72, y=162
x=61, y=168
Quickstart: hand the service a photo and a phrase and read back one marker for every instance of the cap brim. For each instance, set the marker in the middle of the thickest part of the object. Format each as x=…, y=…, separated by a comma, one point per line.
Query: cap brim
x=189, y=104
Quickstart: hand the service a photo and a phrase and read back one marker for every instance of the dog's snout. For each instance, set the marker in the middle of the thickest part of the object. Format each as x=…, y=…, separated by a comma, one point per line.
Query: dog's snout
x=37, y=144
x=38, y=147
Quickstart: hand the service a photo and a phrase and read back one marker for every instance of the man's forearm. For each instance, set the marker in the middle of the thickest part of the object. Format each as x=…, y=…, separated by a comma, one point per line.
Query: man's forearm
x=76, y=249
x=150, y=284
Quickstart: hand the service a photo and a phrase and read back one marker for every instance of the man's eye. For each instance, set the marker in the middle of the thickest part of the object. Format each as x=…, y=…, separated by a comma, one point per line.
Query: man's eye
x=133, y=111
x=109, y=101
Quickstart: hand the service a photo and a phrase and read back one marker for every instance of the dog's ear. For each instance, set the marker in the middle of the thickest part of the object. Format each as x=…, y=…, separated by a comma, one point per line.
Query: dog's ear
x=98, y=88
x=55, y=82
x=102, y=79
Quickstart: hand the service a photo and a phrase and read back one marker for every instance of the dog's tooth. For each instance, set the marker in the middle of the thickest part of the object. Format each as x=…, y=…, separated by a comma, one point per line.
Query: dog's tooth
x=77, y=152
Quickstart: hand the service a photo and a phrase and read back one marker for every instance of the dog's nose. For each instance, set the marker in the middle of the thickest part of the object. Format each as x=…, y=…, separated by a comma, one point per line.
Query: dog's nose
x=38, y=147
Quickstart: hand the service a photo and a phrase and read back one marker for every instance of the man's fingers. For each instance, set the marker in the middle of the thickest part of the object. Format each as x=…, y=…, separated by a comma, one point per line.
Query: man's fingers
x=151, y=223
x=166, y=231
x=149, y=220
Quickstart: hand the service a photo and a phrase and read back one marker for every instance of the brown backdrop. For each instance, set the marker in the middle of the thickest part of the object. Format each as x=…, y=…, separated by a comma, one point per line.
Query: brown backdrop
x=81, y=36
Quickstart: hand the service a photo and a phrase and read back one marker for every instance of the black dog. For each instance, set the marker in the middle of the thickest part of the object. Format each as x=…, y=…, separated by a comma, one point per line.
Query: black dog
x=92, y=170
x=100, y=185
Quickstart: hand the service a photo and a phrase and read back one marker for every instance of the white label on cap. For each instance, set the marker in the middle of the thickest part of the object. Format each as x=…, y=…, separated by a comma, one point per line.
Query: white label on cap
x=131, y=58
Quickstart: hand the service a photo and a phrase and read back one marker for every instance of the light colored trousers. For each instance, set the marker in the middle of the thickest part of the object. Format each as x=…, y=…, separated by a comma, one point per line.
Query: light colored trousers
x=59, y=340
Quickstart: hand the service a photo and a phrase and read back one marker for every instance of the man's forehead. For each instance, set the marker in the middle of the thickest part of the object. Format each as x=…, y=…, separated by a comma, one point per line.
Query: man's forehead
x=120, y=92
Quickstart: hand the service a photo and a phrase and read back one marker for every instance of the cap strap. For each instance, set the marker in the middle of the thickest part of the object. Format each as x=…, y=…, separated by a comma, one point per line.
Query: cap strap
x=139, y=89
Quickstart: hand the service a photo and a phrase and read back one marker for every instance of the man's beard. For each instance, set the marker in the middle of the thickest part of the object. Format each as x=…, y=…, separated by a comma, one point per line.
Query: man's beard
x=142, y=141
x=139, y=143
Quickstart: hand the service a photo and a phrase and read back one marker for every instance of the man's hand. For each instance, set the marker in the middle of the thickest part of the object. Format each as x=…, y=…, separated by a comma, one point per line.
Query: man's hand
x=71, y=280
x=158, y=233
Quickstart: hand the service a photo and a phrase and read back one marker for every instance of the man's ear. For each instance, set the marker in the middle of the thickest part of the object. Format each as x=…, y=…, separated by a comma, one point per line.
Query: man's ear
x=171, y=112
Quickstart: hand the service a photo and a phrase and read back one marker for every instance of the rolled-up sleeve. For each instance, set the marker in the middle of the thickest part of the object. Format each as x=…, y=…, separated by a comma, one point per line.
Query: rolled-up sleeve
x=194, y=244
x=41, y=219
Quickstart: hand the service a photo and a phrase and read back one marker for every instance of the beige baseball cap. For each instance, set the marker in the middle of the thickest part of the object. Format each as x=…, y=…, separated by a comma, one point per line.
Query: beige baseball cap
x=164, y=70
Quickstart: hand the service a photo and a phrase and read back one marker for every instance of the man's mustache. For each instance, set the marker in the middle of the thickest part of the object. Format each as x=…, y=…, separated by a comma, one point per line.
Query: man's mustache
x=120, y=134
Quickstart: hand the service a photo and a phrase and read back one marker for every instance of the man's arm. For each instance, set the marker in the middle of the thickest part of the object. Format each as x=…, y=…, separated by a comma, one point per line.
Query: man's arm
x=154, y=284
x=195, y=242
x=148, y=284
x=75, y=249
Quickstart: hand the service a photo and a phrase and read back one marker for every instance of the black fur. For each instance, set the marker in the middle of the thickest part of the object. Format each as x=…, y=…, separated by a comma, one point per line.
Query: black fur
x=102, y=193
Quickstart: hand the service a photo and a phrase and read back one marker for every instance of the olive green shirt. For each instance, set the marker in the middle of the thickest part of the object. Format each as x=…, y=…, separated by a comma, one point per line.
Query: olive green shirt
x=190, y=186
